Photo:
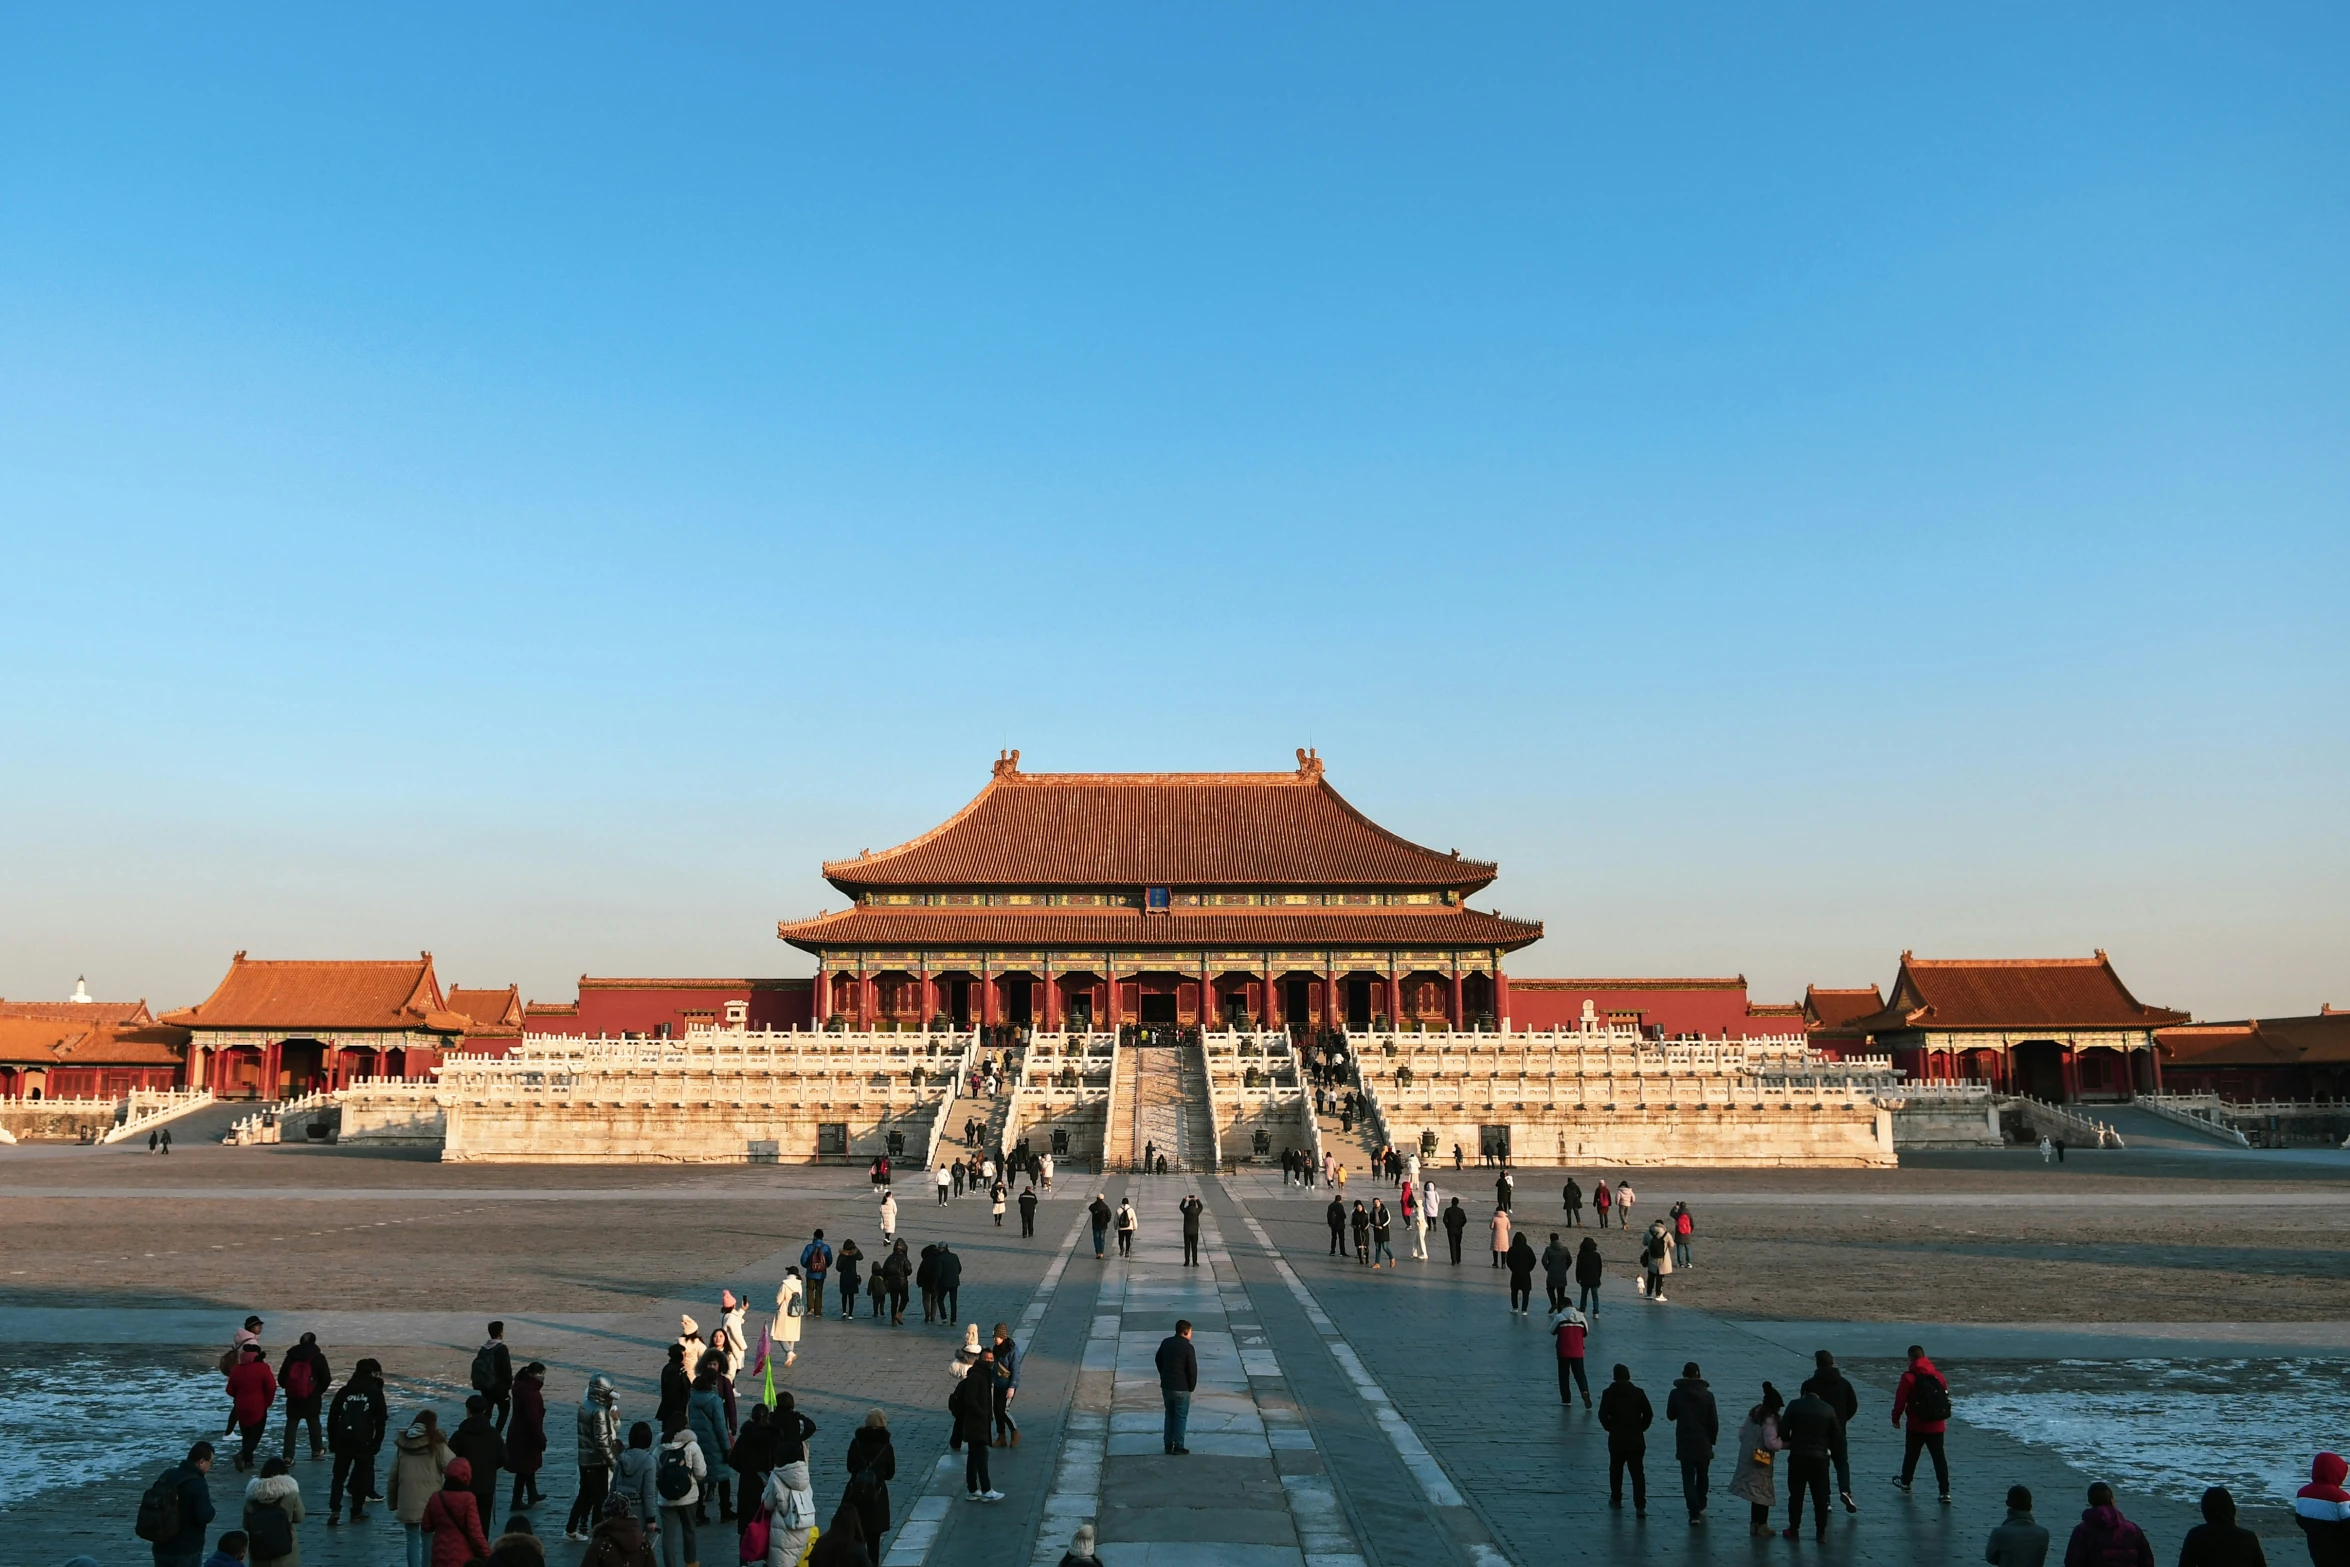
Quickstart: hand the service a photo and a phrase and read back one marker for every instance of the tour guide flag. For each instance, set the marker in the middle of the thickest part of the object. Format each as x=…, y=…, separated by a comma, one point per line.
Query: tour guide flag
x=766, y=1367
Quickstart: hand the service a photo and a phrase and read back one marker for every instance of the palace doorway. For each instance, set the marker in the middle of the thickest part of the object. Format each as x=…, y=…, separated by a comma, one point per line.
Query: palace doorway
x=2039, y=1069
x=1358, y=1000
x=1297, y=1001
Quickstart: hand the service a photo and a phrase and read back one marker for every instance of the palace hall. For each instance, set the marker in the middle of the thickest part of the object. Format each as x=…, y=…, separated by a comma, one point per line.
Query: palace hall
x=1092, y=900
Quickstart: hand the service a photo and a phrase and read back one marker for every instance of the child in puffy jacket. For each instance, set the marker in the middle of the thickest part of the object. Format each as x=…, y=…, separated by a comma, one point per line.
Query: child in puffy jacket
x=452, y=1519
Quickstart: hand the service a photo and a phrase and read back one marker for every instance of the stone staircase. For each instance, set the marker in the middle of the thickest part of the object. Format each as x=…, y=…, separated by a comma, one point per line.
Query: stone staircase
x=1353, y=1149
x=1164, y=1105
x=990, y=1114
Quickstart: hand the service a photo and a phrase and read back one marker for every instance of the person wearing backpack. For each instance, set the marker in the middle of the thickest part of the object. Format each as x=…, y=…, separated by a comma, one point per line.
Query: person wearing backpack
x=793, y=1302
x=355, y=1434
x=273, y=1506
x=677, y=1477
x=493, y=1375
x=619, y=1539
x=1924, y=1397
x=788, y=1507
x=873, y=1464
x=816, y=1264
x=176, y=1509
x=452, y=1519
x=305, y=1378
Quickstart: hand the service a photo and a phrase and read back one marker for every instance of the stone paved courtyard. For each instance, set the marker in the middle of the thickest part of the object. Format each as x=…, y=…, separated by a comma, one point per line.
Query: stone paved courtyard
x=1345, y=1416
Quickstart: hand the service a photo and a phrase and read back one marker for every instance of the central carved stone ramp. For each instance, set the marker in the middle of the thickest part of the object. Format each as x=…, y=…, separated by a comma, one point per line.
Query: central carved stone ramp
x=1169, y=1107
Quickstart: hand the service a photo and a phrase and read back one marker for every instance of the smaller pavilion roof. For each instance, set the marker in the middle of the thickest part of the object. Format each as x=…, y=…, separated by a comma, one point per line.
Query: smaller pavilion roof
x=494, y=1009
x=80, y=1011
x=27, y=1042
x=340, y=995
x=1828, y=1010
x=2010, y=994
x=2320, y=1040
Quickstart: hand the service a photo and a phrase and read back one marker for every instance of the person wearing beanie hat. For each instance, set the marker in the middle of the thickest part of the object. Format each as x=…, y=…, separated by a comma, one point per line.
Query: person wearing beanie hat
x=1080, y=1552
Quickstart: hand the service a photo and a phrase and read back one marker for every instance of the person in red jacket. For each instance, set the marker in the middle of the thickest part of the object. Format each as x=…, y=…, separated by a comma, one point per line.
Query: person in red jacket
x=2322, y=1509
x=2104, y=1538
x=252, y=1388
x=1925, y=1398
x=452, y=1519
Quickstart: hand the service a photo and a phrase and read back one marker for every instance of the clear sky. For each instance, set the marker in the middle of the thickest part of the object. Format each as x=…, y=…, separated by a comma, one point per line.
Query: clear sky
x=1791, y=484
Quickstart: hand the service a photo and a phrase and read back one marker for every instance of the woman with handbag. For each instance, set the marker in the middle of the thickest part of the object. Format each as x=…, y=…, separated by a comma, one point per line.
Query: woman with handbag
x=1755, y=1479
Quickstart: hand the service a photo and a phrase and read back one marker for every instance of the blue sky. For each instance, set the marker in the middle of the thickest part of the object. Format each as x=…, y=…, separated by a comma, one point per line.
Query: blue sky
x=1790, y=487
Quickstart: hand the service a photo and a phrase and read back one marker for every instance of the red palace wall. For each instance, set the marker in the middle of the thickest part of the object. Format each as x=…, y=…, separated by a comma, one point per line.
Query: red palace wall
x=1709, y=1008
x=644, y=1007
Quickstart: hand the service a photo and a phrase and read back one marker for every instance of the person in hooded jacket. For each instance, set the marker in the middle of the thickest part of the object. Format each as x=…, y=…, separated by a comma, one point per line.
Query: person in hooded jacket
x=452, y=1518
x=2322, y=1509
x=2019, y=1540
x=305, y=1377
x=679, y=1543
x=1758, y=1456
x=598, y=1419
x=1807, y=1430
x=706, y=1414
x=194, y=1496
x=251, y=1390
x=842, y=1544
x=2219, y=1541
x=1519, y=1259
x=420, y=1463
x=355, y=1424
x=2104, y=1538
x=636, y=1479
x=873, y=1464
x=476, y=1440
x=1921, y=1391
x=1697, y=1426
x=519, y=1546
x=1590, y=1272
x=846, y=1262
x=526, y=1434
x=273, y=1490
x=897, y=1275
x=1831, y=1385
x=791, y=1514
x=619, y=1539
x=1625, y=1414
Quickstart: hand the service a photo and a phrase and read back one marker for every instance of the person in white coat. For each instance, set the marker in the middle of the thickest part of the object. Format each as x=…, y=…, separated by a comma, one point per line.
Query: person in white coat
x=734, y=1314
x=943, y=1178
x=889, y=1217
x=791, y=1309
x=791, y=1514
x=1045, y=1168
x=689, y=1333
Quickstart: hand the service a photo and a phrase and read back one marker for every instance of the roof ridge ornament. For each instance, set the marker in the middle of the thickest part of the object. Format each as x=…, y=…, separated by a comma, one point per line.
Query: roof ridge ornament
x=1007, y=764
x=1309, y=762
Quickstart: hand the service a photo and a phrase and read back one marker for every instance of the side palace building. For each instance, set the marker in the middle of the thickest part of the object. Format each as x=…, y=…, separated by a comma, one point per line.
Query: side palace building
x=1098, y=899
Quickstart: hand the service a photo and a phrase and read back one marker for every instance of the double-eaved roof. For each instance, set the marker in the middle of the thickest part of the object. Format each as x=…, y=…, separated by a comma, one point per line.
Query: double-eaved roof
x=1288, y=837
x=333, y=995
x=1087, y=830
x=2010, y=994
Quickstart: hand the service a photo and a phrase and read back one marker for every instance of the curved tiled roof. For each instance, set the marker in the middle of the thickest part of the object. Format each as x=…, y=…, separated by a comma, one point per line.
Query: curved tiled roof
x=80, y=1011
x=333, y=995
x=43, y=1041
x=2009, y=994
x=1158, y=829
x=1016, y=928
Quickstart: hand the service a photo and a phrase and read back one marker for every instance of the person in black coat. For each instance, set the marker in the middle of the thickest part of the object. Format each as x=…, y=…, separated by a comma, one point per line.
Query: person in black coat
x=1455, y=1222
x=1360, y=1222
x=896, y=1271
x=752, y=1458
x=1191, y=1208
x=973, y=1407
x=1807, y=1430
x=355, y=1432
x=304, y=1407
x=792, y=1430
x=946, y=1278
x=1335, y=1217
x=1028, y=1212
x=477, y=1441
x=2219, y=1541
x=1572, y=1195
x=845, y=1261
x=186, y=1548
x=677, y=1391
x=1590, y=1270
x=1830, y=1384
x=1519, y=1259
x=873, y=1464
x=1625, y=1415
x=926, y=1280
x=1697, y=1426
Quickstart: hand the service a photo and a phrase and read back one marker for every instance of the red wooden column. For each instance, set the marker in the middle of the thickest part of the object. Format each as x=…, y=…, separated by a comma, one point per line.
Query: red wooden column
x=270, y=1054
x=864, y=1000
x=1501, y=994
x=987, y=979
